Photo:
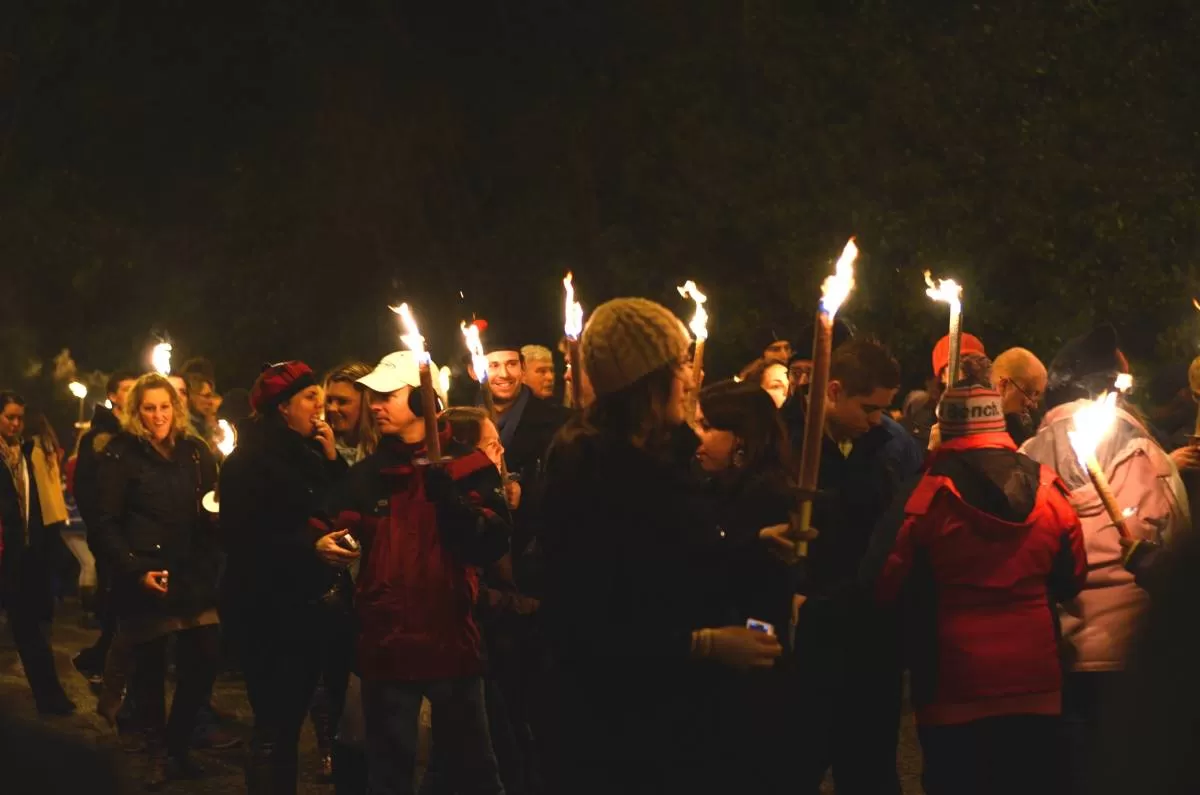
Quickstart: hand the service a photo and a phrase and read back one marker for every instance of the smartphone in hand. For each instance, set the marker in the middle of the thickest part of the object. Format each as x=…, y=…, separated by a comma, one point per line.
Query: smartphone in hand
x=349, y=543
x=760, y=626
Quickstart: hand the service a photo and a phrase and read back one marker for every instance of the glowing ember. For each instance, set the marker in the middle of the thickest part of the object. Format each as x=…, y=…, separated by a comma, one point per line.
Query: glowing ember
x=411, y=337
x=475, y=347
x=1196, y=304
x=77, y=389
x=946, y=290
x=1091, y=423
x=160, y=358
x=226, y=437
x=836, y=289
x=699, y=324
x=573, y=326
x=1124, y=382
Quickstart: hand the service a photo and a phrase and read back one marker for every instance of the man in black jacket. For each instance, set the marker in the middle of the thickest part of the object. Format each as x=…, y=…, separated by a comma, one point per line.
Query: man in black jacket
x=106, y=423
x=526, y=424
x=847, y=650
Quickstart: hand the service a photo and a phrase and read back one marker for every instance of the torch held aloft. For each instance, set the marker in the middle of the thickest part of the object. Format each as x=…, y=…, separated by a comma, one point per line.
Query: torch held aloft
x=814, y=425
x=433, y=442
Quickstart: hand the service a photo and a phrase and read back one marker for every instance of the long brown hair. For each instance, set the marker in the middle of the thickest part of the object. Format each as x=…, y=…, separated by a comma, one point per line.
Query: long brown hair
x=132, y=421
x=749, y=413
x=635, y=412
x=349, y=373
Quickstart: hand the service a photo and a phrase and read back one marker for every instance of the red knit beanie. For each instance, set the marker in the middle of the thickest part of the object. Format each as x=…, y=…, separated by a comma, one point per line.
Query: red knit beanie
x=941, y=352
x=278, y=382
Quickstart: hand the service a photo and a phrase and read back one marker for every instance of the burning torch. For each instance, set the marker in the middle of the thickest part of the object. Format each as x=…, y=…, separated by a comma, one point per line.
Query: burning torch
x=572, y=328
x=479, y=364
x=699, y=327
x=412, y=339
x=80, y=391
x=1091, y=424
x=160, y=359
x=834, y=292
x=950, y=292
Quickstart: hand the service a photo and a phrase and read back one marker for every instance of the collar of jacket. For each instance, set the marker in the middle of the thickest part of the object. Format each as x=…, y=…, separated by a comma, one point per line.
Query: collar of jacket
x=976, y=441
x=402, y=455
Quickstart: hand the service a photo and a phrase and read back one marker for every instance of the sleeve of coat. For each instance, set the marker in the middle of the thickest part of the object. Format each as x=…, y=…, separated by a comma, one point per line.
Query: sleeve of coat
x=112, y=486
x=1068, y=573
x=475, y=519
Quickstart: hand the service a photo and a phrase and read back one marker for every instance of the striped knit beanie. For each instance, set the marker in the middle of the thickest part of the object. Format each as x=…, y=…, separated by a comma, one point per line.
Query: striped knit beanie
x=968, y=410
x=628, y=338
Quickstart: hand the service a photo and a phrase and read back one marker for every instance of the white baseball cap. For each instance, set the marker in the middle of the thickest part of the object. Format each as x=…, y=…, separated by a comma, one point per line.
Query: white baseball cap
x=395, y=371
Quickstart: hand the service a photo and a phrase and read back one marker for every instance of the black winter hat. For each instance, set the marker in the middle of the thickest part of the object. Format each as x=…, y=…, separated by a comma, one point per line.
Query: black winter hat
x=802, y=351
x=1085, y=367
x=494, y=338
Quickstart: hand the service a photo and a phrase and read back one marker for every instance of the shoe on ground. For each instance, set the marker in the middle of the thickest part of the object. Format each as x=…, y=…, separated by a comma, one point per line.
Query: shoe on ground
x=87, y=667
x=215, y=738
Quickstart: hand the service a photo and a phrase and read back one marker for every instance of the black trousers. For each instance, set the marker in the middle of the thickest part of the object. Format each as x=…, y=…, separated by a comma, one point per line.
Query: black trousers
x=29, y=603
x=283, y=666
x=847, y=696
x=196, y=655
x=993, y=756
x=1087, y=697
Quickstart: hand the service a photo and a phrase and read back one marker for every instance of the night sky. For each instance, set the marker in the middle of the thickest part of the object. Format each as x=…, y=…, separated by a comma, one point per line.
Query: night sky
x=260, y=180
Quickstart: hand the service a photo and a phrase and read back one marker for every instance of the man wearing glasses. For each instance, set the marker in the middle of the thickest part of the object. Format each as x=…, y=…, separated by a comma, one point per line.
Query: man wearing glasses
x=1020, y=378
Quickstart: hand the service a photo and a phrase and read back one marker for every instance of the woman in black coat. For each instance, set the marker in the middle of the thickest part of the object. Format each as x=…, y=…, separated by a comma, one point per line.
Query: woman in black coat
x=635, y=609
x=286, y=610
x=744, y=452
x=164, y=550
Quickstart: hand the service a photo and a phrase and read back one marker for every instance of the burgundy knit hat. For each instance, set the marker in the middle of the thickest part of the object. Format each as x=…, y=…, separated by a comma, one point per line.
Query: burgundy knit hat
x=970, y=410
x=278, y=382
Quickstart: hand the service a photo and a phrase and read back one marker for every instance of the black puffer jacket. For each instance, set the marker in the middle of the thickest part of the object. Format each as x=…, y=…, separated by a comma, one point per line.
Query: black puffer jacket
x=149, y=518
x=105, y=426
x=271, y=486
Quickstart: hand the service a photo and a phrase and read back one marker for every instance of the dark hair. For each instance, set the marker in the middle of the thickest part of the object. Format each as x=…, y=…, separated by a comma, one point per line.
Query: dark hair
x=629, y=412
x=754, y=372
x=9, y=396
x=114, y=381
x=198, y=365
x=196, y=380
x=749, y=413
x=862, y=366
x=466, y=424
x=39, y=427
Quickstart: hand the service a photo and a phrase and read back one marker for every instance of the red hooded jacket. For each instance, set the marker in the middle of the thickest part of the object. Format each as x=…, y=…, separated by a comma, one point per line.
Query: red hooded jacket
x=422, y=535
x=988, y=543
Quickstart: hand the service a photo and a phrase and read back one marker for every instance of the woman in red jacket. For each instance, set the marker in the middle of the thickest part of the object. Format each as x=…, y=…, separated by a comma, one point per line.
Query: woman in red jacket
x=988, y=542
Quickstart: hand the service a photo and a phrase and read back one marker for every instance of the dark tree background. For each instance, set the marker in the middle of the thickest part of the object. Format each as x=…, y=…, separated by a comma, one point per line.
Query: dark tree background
x=260, y=179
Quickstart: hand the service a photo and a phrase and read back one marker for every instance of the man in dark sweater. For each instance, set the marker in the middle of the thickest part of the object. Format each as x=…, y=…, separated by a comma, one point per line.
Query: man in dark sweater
x=846, y=647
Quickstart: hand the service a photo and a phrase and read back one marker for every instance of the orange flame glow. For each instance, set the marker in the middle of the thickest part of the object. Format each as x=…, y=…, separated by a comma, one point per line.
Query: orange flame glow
x=411, y=336
x=836, y=288
x=573, y=326
x=1091, y=424
x=699, y=324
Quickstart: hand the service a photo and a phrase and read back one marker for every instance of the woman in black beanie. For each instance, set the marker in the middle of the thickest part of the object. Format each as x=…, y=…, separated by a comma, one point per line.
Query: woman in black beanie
x=286, y=610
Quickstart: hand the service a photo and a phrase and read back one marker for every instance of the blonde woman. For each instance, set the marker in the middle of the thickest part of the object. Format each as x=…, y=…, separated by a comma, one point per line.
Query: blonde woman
x=348, y=413
x=164, y=550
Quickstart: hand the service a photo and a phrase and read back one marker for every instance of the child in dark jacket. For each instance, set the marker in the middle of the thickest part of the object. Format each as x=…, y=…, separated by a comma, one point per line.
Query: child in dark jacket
x=987, y=543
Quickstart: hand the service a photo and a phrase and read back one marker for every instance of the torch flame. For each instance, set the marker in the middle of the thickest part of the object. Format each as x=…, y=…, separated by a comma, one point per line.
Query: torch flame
x=411, y=337
x=77, y=389
x=226, y=437
x=1196, y=304
x=836, y=288
x=699, y=324
x=444, y=380
x=946, y=290
x=573, y=326
x=1091, y=423
x=160, y=358
x=1124, y=382
x=475, y=347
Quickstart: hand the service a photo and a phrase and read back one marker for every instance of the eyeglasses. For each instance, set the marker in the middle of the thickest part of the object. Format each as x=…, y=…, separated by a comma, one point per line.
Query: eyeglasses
x=1035, y=397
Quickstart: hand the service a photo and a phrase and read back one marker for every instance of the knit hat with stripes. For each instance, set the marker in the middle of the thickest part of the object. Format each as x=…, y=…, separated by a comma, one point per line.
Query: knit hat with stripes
x=628, y=338
x=967, y=410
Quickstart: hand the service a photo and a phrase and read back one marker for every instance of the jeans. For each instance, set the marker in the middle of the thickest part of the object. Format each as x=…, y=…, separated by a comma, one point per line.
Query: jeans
x=460, y=728
x=993, y=756
x=196, y=654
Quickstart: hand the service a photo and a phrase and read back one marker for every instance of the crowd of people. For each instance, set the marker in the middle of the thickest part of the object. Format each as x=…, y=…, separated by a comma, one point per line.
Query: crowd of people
x=615, y=596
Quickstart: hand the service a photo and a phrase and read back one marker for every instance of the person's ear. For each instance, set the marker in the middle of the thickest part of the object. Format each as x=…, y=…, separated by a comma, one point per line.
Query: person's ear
x=835, y=391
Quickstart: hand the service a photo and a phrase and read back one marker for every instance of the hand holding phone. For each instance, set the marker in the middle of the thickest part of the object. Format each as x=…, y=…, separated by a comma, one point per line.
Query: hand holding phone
x=760, y=626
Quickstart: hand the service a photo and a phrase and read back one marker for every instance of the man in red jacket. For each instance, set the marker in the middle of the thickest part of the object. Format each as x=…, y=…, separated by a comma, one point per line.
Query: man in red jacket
x=423, y=529
x=987, y=543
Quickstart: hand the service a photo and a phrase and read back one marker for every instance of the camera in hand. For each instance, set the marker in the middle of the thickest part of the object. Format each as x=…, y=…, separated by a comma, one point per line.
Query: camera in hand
x=349, y=543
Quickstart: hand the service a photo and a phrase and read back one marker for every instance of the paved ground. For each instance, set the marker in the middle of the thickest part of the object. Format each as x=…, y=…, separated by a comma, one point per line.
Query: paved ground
x=225, y=766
